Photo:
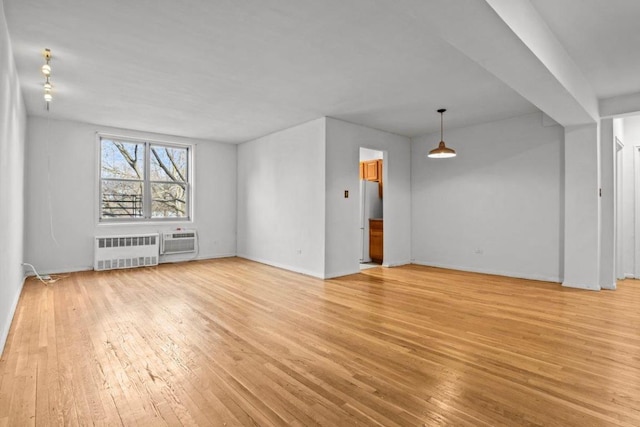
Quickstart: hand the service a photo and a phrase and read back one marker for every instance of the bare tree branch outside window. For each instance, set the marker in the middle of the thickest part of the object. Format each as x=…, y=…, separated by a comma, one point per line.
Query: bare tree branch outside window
x=124, y=186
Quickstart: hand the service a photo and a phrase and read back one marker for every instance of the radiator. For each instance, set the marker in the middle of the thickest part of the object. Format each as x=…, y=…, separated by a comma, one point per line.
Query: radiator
x=179, y=242
x=129, y=251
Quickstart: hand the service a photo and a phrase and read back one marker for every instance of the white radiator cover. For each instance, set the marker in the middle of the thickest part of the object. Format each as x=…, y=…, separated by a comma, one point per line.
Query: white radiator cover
x=126, y=251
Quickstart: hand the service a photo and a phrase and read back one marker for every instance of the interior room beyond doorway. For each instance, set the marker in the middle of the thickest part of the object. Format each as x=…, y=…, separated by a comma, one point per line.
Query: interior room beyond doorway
x=371, y=207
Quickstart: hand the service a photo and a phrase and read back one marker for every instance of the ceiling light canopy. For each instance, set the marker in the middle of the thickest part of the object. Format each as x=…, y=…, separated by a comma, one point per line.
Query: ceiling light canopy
x=46, y=68
x=442, y=152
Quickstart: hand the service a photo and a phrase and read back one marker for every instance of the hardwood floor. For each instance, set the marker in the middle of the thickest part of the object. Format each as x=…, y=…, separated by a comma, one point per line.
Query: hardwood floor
x=232, y=342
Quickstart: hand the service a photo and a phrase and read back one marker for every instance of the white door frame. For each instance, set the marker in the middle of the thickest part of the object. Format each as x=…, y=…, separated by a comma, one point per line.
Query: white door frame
x=636, y=222
x=618, y=194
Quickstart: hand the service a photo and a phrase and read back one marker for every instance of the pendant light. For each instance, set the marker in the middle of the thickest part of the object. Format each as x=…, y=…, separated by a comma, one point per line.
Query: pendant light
x=442, y=152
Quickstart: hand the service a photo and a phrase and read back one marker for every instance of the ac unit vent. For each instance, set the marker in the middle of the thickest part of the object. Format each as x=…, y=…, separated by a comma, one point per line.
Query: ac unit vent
x=179, y=242
x=112, y=252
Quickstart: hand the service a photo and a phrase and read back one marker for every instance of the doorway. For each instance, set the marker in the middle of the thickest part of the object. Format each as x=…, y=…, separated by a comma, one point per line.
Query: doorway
x=371, y=212
x=626, y=140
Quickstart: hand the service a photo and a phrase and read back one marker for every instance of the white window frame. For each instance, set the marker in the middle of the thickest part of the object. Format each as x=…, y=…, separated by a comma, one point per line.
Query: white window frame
x=146, y=183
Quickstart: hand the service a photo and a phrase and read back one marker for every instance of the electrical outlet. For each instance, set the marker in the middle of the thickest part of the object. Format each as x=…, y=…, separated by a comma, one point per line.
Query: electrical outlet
x=478, y=251
x=299, y=251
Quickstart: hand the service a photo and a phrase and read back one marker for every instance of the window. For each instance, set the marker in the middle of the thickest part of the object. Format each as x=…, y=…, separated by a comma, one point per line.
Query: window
x=141, y=180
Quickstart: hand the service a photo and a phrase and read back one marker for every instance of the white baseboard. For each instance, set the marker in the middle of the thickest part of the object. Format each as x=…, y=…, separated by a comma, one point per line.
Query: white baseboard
x=30, y=272
x=516, y=275
x=396, y=263
x=581, y=286
x=283, y=266
x=12, y=311
x=216, y=256
x=168, y=259
x=64, y=270
x=341, y=273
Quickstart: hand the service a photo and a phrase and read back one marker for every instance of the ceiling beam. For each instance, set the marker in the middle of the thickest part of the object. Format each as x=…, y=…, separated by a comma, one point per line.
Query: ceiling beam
x=510, y=39
x=566, y=83
x=623, y=105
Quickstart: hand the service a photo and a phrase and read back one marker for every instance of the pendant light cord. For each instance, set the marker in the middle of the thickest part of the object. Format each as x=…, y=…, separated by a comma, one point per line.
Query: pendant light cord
x=441, y=111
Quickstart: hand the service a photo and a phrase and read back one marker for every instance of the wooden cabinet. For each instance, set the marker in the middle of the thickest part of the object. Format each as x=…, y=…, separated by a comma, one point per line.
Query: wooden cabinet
x=371, y=170
x=376, y=240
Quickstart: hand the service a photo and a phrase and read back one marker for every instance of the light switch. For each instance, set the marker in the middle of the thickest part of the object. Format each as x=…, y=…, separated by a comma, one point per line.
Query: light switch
x=346, y=194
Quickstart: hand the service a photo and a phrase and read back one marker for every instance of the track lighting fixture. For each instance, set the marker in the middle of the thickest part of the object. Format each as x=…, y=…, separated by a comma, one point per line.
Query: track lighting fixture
x=46, y=70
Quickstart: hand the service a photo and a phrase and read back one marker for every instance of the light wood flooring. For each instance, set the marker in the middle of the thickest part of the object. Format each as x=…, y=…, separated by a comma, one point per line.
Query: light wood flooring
x=231, y=342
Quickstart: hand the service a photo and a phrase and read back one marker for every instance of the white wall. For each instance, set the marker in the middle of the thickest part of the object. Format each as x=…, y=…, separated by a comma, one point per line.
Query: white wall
x=607, y=205
x=582, y=207
x=496, y=207
x=281, y=198
x=631, y=141
x=70, y=149
x=369, y=154
x=342, y=214
x=13, y=120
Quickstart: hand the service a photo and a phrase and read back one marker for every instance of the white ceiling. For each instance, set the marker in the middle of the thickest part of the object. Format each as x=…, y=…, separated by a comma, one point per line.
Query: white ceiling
x=231, y=70
x=602, y=37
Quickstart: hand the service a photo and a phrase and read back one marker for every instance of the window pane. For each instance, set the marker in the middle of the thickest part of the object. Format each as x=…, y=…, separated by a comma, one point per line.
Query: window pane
x=121, y=199
x=168, y=200
x=168, y=164
x=124, y=160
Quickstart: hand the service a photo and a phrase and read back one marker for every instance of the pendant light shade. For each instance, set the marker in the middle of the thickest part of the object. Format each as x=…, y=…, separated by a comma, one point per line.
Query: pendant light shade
x=442, y=152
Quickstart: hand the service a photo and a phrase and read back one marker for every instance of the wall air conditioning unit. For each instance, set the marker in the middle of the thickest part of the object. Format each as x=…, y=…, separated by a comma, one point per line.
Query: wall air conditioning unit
x=179, y=242
x=127, y=251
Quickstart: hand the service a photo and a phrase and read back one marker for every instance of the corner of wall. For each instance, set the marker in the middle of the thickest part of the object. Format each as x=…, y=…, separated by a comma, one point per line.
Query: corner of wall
x=467, y=213
x=4, y=334
x=13, y=120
